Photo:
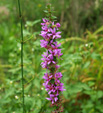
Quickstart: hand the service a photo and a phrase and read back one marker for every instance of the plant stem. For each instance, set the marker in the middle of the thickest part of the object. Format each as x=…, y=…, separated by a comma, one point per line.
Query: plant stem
x=20, y=15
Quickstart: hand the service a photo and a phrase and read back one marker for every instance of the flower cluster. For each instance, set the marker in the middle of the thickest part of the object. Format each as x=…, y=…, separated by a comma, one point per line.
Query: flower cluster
x=52, y=78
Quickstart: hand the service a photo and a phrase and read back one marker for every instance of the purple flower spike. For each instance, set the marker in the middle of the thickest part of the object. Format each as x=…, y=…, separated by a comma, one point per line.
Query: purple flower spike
x=57, y=25
x=52, y=79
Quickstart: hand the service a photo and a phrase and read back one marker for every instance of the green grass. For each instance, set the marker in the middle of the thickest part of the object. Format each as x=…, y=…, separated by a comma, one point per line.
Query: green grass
x=82, y=66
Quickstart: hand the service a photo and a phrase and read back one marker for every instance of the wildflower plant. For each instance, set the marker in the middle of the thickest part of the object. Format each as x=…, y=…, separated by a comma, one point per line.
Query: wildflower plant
x=52, y=78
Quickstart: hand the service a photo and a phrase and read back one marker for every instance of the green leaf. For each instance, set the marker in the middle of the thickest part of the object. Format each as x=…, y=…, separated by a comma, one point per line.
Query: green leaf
x=96, y=56
x=46, y=11
x=53, y=17
x=99, y=94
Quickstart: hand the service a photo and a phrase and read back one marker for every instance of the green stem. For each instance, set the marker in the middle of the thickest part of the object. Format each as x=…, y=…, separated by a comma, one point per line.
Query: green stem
x=20, y=15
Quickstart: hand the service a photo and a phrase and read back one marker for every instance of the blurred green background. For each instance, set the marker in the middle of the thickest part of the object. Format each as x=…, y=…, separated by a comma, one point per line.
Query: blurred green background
x=82, y=48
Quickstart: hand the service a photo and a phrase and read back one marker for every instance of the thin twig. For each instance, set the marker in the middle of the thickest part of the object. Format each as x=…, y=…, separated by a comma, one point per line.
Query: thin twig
x=20, y=15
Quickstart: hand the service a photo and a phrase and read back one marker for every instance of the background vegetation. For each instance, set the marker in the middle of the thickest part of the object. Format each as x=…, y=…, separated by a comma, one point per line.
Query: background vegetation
x=82, y=64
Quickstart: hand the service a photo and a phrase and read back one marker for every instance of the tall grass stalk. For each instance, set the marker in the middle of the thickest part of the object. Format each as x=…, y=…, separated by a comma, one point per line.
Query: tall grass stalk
x=20, y=15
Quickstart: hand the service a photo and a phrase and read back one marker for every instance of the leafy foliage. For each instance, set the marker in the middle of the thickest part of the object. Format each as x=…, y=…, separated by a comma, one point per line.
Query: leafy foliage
x=82, y=66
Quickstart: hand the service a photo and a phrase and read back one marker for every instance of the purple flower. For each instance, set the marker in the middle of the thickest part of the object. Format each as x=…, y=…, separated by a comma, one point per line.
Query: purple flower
x=44, y=43
x=53, y=98
x=58, y=75
x=55, y=34
x=52, y=79
x=47, y=77
x=43, y=34
x=44, y=20
x=56, y=52
x=57, y=25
